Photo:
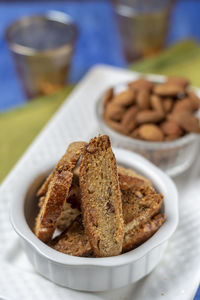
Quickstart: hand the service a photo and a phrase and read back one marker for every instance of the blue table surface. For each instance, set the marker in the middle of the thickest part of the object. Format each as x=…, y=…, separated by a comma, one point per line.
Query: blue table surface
x=98, y=41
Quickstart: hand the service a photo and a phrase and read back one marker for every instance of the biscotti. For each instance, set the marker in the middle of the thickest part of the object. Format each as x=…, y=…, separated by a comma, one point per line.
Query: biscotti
x=134, y=238
x=101, y=198
x=139, y=205
x=129, y=178
x=58, y=187
x=53, y=205
x=71, y=208
x=67, y=162
x=96, y=208
x=73, y=241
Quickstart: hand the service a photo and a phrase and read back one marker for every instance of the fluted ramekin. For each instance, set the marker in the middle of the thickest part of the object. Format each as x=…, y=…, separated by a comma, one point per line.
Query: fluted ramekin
x=96, y=274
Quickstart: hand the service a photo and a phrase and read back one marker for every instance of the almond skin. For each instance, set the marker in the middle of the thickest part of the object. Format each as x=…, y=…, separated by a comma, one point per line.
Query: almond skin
x=150, y=132
x=186, y=121
x=125, y=98
x=128, y=120
x=116, y=126
x=184, y=104
x=170, y=106
x=114, y=112
x=148, y=116
x=171, y=128
x=194, y=99
x=141, y=84
x=170, y=138
x=135, y=134
x=168, y=89
x=183, y=82
x=156, y=104
x=143, y=99
x=167, y=104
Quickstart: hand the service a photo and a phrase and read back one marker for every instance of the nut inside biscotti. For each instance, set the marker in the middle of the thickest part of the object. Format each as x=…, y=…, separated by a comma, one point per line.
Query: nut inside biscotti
x=107, y=209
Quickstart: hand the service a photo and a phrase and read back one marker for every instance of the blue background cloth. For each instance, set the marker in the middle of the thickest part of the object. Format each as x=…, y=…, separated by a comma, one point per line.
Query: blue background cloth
x=98, y=41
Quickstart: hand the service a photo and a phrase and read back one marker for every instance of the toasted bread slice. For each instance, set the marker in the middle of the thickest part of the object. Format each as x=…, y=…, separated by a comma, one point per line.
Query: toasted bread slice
x=101, y=198
x=129, y=178
x=73, y=241
x=67, y=162
x=134, y=238
x=139, y=205
x=57, y=193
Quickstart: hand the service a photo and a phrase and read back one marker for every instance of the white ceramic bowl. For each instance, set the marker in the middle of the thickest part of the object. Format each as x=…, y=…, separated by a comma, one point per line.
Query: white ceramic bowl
x=96, y=274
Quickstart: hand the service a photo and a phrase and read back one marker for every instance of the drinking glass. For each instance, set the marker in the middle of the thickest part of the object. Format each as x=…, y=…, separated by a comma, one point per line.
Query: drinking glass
x=42, y=48
x=143, y=25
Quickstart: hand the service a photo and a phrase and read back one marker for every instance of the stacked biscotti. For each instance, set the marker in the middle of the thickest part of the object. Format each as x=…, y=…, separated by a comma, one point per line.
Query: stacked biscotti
x=100, y=209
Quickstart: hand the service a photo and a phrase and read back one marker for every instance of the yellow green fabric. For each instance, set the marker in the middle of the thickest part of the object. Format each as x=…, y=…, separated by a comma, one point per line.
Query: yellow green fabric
x=183, y=59
x=20, y=126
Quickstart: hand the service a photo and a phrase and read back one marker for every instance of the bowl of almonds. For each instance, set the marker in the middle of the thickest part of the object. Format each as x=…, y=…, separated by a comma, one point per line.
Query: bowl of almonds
x=159, y=120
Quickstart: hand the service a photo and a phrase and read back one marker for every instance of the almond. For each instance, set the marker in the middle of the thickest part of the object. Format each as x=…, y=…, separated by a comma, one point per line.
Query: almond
x=135, y=134
x=184, y=104
x=194, y=99
x=124, y=98
x=171, y=128
x=141, y=84
x=169, y=117
x=150, y=132
x=168, y=89
x=156, y=103
x=183, y=82
x=167, y=104
x=148, y=116
x=107, y=97
x=116, y=126
x=187, y=121
x=167, y=107
x=170, y=138
x=114, y=112
x=143, y=99
x=128, y=120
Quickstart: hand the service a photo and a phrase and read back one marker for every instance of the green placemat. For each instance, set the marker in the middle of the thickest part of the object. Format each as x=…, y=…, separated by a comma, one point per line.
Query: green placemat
x=183, y=59
x=20, y=126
